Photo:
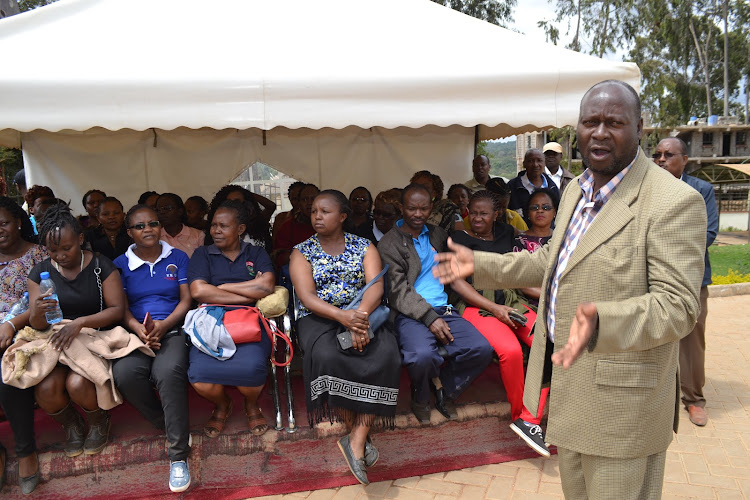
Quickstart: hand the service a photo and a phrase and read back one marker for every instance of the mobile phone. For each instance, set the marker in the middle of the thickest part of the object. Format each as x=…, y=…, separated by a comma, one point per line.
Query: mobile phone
x=345, y=338
x=518, y=317
x=148, y=322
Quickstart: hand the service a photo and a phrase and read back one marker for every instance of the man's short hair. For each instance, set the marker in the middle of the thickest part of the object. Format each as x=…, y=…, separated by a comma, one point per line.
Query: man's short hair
x=619, y=83
x=683, y=145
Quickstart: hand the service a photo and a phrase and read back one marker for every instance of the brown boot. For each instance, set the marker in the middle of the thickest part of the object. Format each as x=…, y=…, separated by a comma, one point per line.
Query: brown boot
x=98, y=434
x=74, y=428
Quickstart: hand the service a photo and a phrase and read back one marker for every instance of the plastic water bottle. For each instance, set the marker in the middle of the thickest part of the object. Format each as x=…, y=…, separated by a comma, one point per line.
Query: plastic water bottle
x=46, y=285
x=19, y=307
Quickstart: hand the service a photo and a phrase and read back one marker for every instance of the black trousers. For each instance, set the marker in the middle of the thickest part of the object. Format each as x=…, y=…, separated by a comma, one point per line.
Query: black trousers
x=18, y=406
x=136, y=374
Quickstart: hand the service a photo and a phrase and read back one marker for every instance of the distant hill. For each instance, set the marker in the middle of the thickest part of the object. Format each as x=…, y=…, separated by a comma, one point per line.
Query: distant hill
x=502, y=157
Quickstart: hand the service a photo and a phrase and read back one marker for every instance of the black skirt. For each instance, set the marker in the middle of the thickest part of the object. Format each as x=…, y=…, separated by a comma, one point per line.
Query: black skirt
x=339, y=382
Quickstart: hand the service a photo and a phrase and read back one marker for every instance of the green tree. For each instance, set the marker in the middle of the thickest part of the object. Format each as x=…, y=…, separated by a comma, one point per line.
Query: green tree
x=681, y=52
x=27, y=5
x=606, y=23
x=494, y=11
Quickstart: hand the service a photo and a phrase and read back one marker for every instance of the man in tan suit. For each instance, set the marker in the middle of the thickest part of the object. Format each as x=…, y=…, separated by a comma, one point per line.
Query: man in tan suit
x=621, y=277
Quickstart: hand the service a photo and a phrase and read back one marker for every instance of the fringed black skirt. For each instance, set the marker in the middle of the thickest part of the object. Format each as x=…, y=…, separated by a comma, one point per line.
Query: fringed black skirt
x=342, y=384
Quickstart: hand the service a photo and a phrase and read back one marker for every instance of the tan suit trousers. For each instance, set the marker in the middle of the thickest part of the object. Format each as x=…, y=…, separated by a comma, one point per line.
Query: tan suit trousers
x=603, y=478
x=693, y=358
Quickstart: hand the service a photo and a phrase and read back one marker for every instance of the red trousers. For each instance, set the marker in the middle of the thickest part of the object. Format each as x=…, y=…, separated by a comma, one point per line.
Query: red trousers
x=505, y=341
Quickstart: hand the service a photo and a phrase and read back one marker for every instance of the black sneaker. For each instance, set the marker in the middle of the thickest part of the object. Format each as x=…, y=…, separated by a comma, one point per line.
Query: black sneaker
x=532, y=434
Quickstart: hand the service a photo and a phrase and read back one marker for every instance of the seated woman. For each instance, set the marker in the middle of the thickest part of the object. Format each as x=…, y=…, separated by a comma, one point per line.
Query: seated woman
x=111, y=237
x=293, y=195
x=148, y=198
x=196, y=209
x=328, y=271
x=18, y=255
x=231, y=271
x=154, y=276
x=500, y=189
x=297, y=229
x=257, y=224
x=542, y=210
x=387, y=212
x=459, y=194
x=360, y=200
x=74, y=273
x=486, y=310
x=91, y=201
x=174, y=231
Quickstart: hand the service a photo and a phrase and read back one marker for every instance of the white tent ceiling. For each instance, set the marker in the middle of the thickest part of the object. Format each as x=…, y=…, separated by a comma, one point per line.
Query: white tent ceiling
x=95, y=74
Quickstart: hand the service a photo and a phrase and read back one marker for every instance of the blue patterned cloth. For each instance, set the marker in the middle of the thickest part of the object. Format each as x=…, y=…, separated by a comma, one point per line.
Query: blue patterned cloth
x=338, y=278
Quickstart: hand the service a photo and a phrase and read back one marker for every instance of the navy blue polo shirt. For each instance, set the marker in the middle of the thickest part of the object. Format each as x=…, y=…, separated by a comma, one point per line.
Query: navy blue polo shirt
x=213, y=267
x=153, y=288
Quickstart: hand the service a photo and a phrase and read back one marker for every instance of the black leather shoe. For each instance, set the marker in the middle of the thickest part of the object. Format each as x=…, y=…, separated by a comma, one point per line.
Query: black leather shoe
x=371, y=453
x=444, y=404
x=358, y=467
x=421, y=411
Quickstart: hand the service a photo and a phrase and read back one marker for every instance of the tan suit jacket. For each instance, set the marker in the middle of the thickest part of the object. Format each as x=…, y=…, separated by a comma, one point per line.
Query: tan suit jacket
x=641, y=263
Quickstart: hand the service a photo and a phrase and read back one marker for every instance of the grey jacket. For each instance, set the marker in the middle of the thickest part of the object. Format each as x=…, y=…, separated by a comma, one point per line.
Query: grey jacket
x=397, y=250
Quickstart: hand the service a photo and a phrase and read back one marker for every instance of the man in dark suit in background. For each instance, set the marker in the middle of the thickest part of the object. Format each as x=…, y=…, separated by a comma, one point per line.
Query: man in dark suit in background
x=671, y=155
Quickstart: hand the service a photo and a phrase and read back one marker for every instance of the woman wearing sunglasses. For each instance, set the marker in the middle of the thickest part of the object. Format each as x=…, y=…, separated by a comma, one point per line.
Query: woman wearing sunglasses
x=541, y=210
x=154, y=275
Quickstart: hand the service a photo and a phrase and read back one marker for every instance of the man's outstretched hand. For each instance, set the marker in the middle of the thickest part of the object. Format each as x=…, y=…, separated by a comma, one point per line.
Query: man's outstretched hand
x=583, y=328
x=453, y=265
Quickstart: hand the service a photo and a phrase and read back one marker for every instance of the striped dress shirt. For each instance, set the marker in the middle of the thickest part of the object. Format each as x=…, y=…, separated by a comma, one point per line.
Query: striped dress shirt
x=584, y=214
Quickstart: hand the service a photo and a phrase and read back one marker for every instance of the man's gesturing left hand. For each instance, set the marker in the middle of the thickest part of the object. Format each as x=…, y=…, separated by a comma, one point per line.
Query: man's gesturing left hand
x=583, y=328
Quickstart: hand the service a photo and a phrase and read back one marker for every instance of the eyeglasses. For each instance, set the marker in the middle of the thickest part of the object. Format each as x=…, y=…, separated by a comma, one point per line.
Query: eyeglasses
x=545, y=207
x=166, y=208
x=360, y=199
x=142, y=225
x=385, y=215
x=668, y=156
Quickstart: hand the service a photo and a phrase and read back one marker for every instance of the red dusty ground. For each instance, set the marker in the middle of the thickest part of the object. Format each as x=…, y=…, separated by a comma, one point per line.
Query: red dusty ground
x=239, y=465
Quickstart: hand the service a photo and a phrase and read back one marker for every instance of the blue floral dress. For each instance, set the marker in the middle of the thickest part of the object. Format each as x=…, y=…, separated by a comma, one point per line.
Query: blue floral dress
x=341, y=382
x=338, y=278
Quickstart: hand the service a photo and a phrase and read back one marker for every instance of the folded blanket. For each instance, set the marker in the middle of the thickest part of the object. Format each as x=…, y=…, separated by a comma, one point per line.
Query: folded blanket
x=31, y=358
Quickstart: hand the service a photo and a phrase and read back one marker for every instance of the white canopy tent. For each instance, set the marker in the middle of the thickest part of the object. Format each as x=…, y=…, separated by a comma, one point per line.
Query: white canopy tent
x=181, y=95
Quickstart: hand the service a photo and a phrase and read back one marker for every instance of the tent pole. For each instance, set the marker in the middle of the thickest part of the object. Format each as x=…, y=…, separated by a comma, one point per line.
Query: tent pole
x=476, y=139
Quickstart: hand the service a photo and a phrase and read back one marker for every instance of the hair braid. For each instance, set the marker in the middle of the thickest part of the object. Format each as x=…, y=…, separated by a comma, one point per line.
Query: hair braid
x=57, y=217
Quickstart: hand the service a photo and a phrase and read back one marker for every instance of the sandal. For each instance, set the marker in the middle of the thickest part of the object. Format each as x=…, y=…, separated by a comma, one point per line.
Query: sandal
x=256, y=421
x=215, y=424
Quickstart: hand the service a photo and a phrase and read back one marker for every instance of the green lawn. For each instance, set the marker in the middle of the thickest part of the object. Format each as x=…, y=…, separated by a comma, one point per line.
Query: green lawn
x=724, y=258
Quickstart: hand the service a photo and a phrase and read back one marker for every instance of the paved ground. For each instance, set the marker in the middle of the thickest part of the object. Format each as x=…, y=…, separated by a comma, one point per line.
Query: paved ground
x=733, y=238
x=708, y=462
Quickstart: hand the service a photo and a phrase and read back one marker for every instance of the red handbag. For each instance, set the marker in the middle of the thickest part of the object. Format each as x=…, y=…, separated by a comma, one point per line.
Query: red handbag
x=245, y=324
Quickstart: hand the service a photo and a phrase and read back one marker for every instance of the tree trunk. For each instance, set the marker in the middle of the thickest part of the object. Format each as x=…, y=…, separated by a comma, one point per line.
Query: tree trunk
x=603, y=34
x=726, y=59
x=703, y=60
x=576, y=40
x=8, y=8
